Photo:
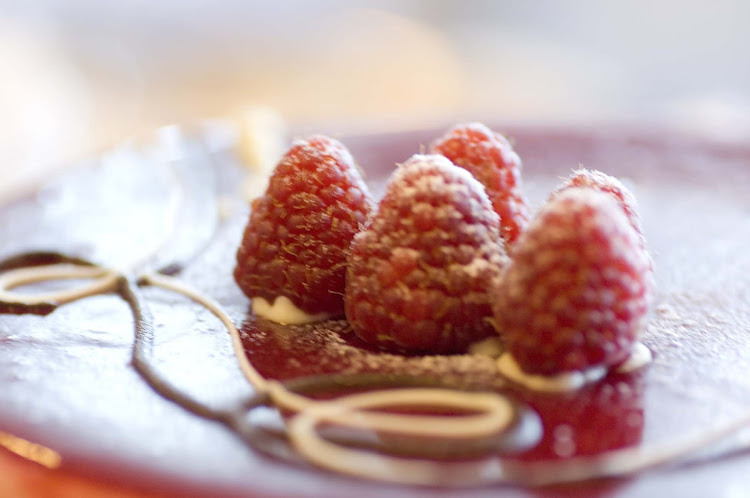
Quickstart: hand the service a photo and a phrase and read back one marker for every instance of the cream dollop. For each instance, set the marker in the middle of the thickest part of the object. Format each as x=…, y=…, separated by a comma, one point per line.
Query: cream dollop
x=284, y=311
x=566, y=381
x=639, y=357
x=491, y=347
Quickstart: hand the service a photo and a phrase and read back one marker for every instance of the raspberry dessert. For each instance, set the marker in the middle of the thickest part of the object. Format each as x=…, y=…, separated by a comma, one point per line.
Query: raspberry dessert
x=292, y=258
x=577, y=291
x=144, y=369
x=419, y=274
x=603, y=182
x=490, y=158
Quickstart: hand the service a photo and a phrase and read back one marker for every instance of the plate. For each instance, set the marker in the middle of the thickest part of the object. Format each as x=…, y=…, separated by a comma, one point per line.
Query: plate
x=70, y=386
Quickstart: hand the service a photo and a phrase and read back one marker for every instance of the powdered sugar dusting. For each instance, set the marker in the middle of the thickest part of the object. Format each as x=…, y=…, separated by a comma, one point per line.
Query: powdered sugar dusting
x=418, y=276
x=331, y=347
x=489, y=157
x=476, y=266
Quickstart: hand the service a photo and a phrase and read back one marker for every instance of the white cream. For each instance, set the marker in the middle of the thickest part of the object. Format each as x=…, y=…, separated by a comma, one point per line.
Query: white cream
x=640, y=356
x=566, y=381
x=491, y=347
x=285, y=312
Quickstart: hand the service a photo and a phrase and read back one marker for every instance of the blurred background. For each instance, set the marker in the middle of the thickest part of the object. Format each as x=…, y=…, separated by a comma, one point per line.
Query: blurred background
x=82, y=75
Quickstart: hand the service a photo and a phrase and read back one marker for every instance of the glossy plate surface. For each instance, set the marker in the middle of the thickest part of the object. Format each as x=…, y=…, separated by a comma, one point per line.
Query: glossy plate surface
x=67, y=382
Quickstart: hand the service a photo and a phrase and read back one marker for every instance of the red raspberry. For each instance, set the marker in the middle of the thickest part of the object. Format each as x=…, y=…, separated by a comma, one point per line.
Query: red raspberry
x=600, y=181
x=603, y=182
x=577, y=290
x=297, y=240
x=490, y=158
x=420, y=272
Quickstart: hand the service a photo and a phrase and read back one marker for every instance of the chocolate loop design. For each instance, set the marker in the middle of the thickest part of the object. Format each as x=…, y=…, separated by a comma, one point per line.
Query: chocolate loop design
x=102, y=281
x=482, y=415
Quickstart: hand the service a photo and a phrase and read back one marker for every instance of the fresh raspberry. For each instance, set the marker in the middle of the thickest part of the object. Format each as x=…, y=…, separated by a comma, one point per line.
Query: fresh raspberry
x=577, y=290
x=490, y=158
x=601, y=181
x=593, y=179
x=297, y=240
x=420, y=272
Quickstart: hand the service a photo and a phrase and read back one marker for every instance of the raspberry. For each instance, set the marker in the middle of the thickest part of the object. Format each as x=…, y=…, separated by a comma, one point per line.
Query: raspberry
x=577, y=290
x=297, y=239
x=600, y=181
x=420, y=272
x=490, y=158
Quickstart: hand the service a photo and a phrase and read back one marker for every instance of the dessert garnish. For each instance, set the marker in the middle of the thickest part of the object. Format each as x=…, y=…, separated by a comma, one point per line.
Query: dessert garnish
x=577, y=290
x=292, y=259
x=476, y=418
x=482, y=415
x=584, y=233
x=597, y=180
x=420, y=272
x=490, y=158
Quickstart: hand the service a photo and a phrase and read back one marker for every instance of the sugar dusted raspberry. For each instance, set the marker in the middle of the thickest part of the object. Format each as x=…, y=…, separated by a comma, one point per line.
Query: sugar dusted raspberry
x=593, y=179
x=578, y=288
x=490, y=158
x=297, y=239
x=419, y=273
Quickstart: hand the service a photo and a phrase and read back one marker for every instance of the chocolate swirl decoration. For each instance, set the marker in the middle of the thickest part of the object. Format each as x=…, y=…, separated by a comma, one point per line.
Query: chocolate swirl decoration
x=64, y=267
x=492, y=424
x=487, y=425
x=414, y=448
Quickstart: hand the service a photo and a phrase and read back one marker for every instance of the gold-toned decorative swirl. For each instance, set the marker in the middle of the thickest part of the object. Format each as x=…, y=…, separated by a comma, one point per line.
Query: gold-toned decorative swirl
x=479, y=415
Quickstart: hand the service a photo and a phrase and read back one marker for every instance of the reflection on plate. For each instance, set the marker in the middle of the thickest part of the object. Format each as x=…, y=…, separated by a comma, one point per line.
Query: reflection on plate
x=71, y=369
